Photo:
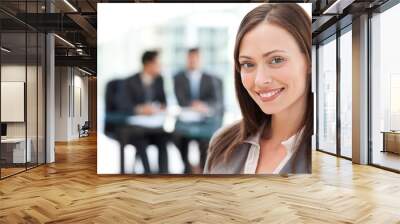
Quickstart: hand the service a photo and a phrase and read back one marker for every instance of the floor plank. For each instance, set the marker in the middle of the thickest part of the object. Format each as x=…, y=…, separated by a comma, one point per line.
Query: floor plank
x=70, y=191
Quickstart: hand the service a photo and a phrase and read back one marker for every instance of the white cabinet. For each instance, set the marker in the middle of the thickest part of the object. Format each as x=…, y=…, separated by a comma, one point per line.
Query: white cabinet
x=18, y=149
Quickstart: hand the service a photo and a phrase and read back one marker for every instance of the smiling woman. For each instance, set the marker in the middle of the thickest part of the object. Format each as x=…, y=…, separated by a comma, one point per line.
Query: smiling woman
x=273, y=86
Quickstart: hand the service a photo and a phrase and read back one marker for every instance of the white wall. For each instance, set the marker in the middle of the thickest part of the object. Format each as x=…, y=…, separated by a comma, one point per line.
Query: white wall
x=33, y=126
x=16, y=73
x=61, y=103
x=12, y=73
x=71, y=102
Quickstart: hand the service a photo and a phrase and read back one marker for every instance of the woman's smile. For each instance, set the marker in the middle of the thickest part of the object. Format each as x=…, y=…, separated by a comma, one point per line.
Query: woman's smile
x=269, y=95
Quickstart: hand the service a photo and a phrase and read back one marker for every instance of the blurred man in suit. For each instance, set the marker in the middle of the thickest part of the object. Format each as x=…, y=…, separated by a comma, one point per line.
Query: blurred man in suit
x=117, y=111
x=146, y=96
x=200, y=92
x=114, y=109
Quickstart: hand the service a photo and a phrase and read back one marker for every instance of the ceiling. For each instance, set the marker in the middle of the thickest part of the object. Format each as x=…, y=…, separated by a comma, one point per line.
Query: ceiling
x=76, y=22
x=73, y=21
x=329, y=16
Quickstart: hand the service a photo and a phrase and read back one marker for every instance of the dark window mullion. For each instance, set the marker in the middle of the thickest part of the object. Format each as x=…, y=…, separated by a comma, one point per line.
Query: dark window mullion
x=338, y=73
x=317, y=96
x=37, y=90
x=369, y=100
x=26, y=87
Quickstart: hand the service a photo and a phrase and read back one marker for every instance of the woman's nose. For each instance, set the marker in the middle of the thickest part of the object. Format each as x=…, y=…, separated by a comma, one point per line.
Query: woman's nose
x=263, y=76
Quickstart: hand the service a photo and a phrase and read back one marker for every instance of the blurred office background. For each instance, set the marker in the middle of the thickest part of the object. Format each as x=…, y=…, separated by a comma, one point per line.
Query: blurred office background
x=126, y=31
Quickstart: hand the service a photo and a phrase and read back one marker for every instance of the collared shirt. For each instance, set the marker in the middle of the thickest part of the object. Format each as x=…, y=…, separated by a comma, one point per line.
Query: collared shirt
x=194, y=81
x=146, y=79
x=254, y=153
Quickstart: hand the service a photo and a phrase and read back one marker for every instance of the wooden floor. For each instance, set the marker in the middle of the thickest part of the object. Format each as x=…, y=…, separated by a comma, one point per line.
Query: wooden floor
x=70, y=191
x=388, y=159
x=10, y=171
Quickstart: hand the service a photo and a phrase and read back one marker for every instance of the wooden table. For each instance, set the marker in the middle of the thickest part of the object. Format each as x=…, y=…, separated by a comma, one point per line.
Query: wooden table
x=391, y=141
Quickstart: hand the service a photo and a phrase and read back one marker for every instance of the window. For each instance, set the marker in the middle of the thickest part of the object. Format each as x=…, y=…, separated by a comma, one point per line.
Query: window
x=22, y=76
x=385, y=89
x=346, y=93
x=327, y=96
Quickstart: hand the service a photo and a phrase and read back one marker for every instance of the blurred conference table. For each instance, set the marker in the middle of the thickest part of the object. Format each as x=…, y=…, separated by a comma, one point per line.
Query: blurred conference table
x=183, y=123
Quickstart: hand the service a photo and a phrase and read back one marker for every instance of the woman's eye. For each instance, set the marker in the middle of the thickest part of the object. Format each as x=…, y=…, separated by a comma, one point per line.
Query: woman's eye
x=277, y=60
x=246, y=65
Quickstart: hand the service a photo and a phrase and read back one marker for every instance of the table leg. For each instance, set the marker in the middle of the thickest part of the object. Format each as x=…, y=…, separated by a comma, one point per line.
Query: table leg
x=122, y=162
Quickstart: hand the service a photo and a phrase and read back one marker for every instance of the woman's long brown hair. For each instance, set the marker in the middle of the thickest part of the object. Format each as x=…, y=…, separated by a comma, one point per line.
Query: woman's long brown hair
x=297, y=22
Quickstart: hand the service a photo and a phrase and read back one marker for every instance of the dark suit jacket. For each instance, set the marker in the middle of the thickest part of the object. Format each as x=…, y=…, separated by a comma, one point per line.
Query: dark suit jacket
x=210, y=91
x=115, y=106
x=112, y=95
x=299, y=163
x=135, y=92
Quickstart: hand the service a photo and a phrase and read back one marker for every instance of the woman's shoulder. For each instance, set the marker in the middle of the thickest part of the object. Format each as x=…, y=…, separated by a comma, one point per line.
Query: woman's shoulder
x=224, y=130
x=221, y=141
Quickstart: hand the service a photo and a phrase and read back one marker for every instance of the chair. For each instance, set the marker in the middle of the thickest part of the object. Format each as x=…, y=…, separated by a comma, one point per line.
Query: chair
x=84, y=130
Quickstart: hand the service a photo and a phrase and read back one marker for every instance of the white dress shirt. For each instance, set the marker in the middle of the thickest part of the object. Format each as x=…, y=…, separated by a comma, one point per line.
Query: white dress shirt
x=254, y=152
x=194, y=81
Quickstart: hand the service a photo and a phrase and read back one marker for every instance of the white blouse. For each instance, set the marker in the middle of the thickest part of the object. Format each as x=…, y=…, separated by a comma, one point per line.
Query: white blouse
x=254, y=152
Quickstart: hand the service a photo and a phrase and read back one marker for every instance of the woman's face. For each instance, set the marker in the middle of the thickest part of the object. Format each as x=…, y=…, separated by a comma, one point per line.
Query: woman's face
x=273, y=69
